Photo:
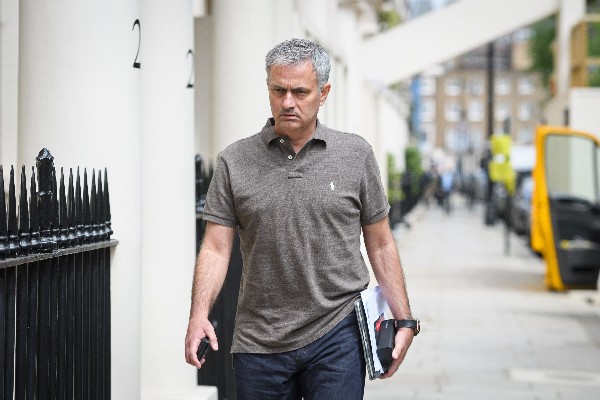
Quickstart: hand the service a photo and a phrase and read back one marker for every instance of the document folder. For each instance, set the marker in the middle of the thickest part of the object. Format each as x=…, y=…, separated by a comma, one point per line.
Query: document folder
x=371, y=307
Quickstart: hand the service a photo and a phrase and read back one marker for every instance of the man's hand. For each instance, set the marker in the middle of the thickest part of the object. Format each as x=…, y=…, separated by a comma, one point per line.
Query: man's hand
x=404, y=338
x=198, y=328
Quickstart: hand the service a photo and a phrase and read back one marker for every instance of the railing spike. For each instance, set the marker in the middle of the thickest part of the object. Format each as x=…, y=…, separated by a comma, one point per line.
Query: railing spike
x=55, y=219
x=3, y=222
x=100, y=209
x=24, y=239
x=62, y=212
x=34, y=216
x=79, y=210
x=13, y=229
x=71, y=210
x=86, y=208
x=107, y=216
x=45, y=166
x=93, y=209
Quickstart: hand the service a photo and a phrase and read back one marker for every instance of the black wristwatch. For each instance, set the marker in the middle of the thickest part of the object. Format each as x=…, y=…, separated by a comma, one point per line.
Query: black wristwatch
x=413, y=324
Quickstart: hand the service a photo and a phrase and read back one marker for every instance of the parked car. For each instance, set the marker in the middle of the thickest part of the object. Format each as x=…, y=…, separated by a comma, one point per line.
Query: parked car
x=521, y=210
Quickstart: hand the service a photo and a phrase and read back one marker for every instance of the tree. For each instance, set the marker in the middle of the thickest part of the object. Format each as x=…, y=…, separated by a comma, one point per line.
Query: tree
x=594, y=51
x=540, y=48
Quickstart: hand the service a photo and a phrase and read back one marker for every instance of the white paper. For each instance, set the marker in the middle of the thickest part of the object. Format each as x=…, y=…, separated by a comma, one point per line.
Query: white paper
x=374, y=305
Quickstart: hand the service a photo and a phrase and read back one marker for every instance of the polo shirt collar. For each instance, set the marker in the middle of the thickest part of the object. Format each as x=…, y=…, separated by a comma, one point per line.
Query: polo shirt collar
x=268, y=134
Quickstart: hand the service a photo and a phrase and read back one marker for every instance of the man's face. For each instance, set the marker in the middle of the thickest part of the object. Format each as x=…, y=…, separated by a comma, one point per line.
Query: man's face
x=294, y=97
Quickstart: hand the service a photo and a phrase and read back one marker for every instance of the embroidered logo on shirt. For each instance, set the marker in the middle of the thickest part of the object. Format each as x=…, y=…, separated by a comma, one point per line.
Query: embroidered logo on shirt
x=332, y=185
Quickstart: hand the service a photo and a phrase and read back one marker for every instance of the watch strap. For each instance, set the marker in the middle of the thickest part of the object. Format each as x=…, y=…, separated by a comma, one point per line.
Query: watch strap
x=413, y=324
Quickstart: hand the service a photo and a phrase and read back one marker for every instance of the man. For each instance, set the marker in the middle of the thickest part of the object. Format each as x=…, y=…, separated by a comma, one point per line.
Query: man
x=299, y=193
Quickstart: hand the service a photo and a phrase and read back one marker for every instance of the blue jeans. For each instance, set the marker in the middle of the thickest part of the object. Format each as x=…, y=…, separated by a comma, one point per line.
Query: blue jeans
x=332, y=367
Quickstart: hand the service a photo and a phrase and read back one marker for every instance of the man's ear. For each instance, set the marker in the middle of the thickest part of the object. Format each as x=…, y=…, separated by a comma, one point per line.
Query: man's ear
x=324, y=93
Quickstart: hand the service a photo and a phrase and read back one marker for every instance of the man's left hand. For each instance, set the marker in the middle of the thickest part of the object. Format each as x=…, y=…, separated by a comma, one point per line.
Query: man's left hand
x=403, y=340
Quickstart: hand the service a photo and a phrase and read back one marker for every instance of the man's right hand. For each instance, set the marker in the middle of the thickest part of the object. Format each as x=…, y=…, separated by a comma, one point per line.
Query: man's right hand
x=198, y=328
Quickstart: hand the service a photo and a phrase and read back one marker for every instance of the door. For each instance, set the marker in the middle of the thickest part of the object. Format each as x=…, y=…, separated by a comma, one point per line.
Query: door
x=565, y=226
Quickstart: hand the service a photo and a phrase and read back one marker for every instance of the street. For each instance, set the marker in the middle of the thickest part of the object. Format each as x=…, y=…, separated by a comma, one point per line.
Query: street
x=490, y=329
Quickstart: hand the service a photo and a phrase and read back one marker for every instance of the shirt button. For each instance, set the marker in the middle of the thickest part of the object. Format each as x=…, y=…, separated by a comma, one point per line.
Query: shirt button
x=290, y=157
x=281, y=141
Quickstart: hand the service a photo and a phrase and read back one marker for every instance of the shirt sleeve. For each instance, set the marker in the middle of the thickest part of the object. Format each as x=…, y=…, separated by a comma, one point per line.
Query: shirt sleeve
x=220, y=205
x=375, y=205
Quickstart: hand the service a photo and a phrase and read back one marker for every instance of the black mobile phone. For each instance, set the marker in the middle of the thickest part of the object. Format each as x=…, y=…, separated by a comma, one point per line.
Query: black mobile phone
x=203, y=348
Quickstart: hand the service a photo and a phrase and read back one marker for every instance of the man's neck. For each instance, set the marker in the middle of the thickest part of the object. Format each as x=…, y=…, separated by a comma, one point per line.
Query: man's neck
x=298, y=139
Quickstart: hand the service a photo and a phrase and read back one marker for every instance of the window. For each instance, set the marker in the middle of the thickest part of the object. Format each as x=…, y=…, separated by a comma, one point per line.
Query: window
x=526, y=85
x=429, y=132
x=526, y=134
x=428, y=86
x=475, y=110
x=525, y=111
x=450, y=140
x=475, y=86
x=452, y=111
x=502, y=111
x=453, y=87
x=503, y=86
x=477, y=139
x=428, y=110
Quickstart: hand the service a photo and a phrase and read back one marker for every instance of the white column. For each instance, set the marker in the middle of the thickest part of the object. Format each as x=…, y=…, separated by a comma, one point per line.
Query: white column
x=584, y=104
x=204, y=44
x=79, y=97
x=9, y=76
x=168, y=212
x=239, y=96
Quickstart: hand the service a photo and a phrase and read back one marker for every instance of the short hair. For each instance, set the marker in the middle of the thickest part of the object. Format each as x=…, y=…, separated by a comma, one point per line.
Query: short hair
x=295, y=51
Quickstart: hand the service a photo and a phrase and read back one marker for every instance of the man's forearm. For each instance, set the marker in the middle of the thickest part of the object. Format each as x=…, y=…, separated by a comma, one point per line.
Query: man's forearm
x=209, y=275
x=385, y=262
x=211, y=268
x=390, y=276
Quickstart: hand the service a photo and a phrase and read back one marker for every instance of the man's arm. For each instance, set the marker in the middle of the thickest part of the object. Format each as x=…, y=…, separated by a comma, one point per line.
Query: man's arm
x=209, y=275
x=385, y=261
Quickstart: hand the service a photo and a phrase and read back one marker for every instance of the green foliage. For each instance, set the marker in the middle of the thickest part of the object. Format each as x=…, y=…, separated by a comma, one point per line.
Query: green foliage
x=414, y=169
x=394, y=177
x=594, y=39
x=594, y=51
x=592, y=6
x=540, y=48
x=412, y=157
x=594, y=78
x=388, y=19
x=411, y=177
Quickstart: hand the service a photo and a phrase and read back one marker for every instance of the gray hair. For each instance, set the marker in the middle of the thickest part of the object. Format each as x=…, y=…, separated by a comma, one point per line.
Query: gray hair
x=295, y=51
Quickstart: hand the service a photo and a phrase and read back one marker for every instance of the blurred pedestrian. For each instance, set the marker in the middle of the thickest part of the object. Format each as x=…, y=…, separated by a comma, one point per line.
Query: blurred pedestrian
x=447, y=184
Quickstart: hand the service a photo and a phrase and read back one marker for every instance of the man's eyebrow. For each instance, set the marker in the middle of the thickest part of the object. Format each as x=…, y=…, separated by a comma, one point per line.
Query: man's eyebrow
x=275, y=86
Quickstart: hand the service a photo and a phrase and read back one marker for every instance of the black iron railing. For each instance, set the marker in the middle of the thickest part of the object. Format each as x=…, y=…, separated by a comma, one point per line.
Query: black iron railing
x=55, y=285
x=218, y=370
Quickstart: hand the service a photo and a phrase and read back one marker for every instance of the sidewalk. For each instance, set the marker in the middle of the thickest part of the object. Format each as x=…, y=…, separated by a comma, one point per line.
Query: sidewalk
x=490, y=329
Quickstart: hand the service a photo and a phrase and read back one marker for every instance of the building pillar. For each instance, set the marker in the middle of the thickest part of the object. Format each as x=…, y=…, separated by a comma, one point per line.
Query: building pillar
x=168, y=193
x=9, y=77
x=239, y=96
x=79, y=97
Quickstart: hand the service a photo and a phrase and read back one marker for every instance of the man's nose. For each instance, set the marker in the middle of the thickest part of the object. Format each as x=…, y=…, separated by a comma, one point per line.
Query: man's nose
x=288, y=100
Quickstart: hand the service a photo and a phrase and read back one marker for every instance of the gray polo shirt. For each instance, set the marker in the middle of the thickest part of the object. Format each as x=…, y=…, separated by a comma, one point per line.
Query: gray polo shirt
x=299, y=218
